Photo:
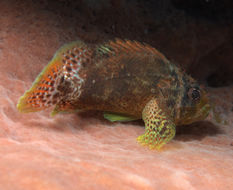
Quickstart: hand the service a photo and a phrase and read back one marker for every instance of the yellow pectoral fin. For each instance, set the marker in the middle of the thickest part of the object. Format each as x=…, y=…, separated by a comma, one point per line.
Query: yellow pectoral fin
x=159, y=130
x=118, y=117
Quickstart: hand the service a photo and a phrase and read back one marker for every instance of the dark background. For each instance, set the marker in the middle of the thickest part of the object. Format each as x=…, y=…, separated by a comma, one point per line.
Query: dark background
x=196, y=34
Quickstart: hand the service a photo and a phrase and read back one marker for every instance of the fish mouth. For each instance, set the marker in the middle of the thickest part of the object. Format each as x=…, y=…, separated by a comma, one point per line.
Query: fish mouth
x=200, y=115
x=204, y=112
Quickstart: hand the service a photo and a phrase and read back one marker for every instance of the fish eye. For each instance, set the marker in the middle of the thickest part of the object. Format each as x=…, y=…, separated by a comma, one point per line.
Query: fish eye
x=194, y=94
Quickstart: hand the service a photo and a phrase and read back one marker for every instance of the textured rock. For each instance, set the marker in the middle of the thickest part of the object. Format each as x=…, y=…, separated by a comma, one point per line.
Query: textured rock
x=84, y=151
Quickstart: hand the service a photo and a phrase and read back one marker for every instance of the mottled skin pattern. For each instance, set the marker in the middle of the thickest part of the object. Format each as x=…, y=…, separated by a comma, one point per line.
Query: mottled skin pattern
x=122, y=77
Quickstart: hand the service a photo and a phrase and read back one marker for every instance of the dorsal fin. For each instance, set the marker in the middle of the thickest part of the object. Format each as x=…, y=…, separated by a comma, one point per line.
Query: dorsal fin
x=128, y=46
x=43, y=92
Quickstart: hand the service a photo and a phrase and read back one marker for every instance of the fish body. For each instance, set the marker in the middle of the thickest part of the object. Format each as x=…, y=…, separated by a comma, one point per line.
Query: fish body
x=127, y=80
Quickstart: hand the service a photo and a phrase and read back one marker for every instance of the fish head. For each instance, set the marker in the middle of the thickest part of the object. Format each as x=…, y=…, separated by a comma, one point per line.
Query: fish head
x=195, y=105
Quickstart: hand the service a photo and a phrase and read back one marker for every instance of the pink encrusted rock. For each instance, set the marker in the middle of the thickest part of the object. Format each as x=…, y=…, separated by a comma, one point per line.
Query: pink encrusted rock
x=84, y=151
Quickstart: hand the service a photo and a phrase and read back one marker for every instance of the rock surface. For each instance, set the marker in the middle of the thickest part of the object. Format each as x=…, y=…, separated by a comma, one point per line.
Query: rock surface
x=84, y=151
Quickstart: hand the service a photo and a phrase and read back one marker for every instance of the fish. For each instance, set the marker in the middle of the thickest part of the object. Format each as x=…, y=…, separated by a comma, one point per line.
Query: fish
x=127, y=80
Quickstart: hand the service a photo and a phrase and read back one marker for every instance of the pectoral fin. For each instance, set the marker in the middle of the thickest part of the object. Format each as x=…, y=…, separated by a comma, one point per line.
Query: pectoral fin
x=159, y=128
x=118, y=117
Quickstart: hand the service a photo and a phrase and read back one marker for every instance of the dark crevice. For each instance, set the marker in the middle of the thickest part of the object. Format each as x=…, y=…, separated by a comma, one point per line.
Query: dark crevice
x=220, y=79
x=207, y=9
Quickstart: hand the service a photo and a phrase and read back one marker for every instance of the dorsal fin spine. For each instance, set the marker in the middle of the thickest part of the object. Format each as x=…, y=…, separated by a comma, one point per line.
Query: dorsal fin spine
x=128, y=46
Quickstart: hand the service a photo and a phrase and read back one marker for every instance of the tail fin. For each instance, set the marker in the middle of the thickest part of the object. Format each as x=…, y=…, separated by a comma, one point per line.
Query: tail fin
x=43, y=92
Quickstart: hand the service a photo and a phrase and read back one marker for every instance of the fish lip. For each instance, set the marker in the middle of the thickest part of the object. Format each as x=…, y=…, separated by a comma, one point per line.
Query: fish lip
x=205, y=110
x=203, y=113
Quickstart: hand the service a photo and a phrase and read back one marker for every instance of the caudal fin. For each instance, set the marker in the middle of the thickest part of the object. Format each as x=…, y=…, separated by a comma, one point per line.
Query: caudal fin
x=43, y=92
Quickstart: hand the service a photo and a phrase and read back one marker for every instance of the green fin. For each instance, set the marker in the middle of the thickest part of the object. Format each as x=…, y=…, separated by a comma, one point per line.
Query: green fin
x=118, y=117
x=159, y=129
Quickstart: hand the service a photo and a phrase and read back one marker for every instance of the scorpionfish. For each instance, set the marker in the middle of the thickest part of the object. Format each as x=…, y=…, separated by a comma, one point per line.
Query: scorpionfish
x=127, y=80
